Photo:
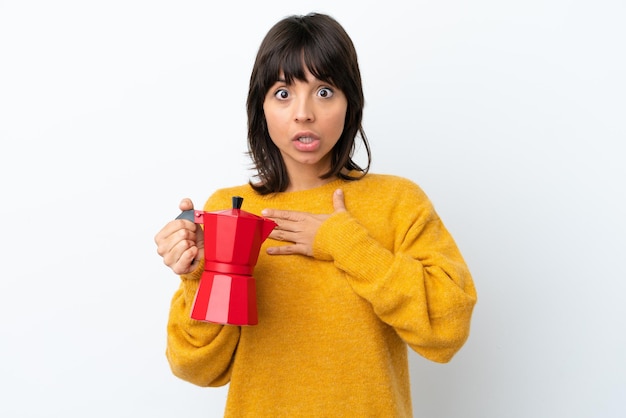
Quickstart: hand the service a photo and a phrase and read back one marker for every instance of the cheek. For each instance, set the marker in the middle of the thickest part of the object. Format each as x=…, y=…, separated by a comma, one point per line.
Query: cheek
x=340, y=121
x=341, y=115
x=273, y=126
x=270, y=120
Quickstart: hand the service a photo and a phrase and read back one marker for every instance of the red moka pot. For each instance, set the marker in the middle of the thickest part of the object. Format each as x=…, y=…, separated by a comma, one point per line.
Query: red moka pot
x=232, y=241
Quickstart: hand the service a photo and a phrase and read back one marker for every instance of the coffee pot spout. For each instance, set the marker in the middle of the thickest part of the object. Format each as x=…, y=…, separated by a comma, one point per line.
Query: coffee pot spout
x=267, y=228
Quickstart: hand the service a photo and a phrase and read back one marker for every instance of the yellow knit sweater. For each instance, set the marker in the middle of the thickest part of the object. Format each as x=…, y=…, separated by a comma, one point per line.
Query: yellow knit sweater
x=333, y=329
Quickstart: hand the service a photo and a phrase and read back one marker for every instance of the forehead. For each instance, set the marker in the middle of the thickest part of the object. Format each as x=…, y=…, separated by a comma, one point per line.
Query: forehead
x=305, y=76
x=302, y=66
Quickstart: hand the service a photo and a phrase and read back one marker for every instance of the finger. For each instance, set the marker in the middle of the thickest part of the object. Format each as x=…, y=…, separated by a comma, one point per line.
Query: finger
x=177, y=249
x=283, y=225
x=283, y=235
x=168, y=239
x=287, y=215
x=165, y=232
x=187, y=262
x=180, y=228
x=282, y=250
x=339, y=202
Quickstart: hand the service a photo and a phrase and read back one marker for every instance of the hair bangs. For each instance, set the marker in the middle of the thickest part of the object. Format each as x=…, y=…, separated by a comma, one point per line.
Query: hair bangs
x=299, y=55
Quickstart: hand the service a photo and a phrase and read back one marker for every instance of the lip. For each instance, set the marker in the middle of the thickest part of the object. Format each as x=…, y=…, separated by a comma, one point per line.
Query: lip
x=313, y=145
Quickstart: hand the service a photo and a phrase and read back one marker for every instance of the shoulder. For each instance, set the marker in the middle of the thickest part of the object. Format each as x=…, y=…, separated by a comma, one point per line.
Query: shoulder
x=390, y=197
x=389, y=185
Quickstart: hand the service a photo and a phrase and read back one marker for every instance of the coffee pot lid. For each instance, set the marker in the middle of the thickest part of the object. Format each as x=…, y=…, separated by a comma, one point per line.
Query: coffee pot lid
x=236, y=211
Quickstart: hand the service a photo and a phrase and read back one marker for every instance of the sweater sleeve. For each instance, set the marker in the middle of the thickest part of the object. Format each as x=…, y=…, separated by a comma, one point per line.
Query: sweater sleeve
x=198, y=352
x=421, y=287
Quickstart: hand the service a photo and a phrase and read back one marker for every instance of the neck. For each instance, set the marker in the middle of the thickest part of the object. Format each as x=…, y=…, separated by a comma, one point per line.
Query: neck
x=307, y=176
x=301, y=182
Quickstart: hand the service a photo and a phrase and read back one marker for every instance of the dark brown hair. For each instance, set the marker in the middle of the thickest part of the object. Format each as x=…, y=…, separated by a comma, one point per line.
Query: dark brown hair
x=320, y=43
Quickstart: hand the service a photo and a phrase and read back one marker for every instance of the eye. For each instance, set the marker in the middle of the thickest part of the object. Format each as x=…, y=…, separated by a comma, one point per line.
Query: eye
x=325, y=92
x=281, y=94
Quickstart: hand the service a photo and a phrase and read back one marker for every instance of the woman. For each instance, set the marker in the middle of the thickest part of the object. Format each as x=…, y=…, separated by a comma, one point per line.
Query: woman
x=359, y=268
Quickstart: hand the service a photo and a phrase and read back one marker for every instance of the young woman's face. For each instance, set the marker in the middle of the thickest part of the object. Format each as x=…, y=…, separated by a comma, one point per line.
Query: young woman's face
x=305, y=120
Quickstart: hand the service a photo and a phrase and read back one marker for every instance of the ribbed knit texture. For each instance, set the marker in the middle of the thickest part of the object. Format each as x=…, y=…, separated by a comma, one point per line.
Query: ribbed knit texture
x=333, y=329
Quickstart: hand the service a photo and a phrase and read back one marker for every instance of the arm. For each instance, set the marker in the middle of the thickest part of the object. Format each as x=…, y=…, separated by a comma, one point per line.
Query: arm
x=198, y=352
x=421, y=286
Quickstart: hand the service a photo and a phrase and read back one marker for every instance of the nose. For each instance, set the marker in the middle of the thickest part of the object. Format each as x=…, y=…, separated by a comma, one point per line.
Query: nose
x=303, y=111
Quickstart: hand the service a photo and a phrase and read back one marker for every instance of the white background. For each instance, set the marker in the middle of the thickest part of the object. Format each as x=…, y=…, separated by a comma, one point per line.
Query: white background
x=510, y=115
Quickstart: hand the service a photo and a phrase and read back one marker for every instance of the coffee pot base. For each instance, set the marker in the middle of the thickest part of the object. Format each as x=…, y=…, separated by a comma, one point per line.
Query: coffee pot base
x=225, y=299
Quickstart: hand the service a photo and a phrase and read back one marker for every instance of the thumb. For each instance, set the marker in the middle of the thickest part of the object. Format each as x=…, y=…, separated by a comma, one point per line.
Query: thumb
x=339, y=201
x=185, y=204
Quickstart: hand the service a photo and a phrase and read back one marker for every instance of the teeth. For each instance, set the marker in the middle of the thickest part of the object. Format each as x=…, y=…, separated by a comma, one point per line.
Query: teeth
x=305, y=139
